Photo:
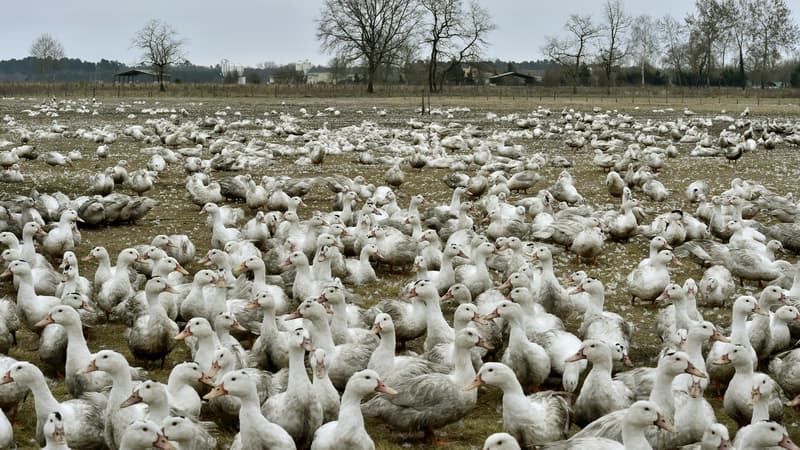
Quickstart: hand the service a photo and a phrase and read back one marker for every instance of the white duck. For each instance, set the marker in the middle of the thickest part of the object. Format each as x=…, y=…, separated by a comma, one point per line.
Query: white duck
x=648, y=282
x=187, y=434
x=143, y=435
x=255, y=431
x=348, y=431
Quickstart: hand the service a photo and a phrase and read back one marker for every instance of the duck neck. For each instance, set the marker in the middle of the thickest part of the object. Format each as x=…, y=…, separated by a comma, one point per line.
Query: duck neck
x=158, y=410
x=633, y=437
x=77, y=351
x=511, y=388
x=463, y=371
x=600, y=375
x=434, y=315
x=681, y=315
x=121, y=386
x=298, y=379
x=694, y=348
x=363, y=259
x=268, y=324
x=219, y=302
x=661, y=394
x=595, y=305
x=350, y=418
x=455, y=202
x=739, y=329
x=43, y=399
x=339, y=319
x=25, y=292
x=761, y=409
x=384, y=353
x=250, y=408
x=321, y=335
x=28, y=251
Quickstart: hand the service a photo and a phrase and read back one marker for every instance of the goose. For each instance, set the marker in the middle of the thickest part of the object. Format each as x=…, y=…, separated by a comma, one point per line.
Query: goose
x=116, y=419
x=305, y=285
x=194, y=304
x=343, y=360
x=410, y=320
x=206, y=341
x=638, y=419
x=552, y=296
x=737, y=401
x=180, y=388
x=588, y=244
x=323, y=387
x=438, y=330
x=255, y=264
x=226, y=409
x=360, y=271
x=150, y=337
x=187, y=434
x=178, y=246
x=398, y=250
x=669, y=366
x=72, y=282
x=220, y=235
x=383, y=359
x=533, y=420
x=343, y=316
x=476, y=276
x=598, y=324
x=297, y=410
x=154, y=395
x=143, y=435
x=270, y=350
x=648, y=282
x=600, y=394
x=223, y=324
x=348, y=431
x=623, y=226
x=255, y=431
x=430, y=400
x=31, y=307
x=60, y=239
x=780, y=336
x=759, y=328
x=764, y=435
x=697, y=336
x=529, y=361
x=83, y=417
x=674, y=317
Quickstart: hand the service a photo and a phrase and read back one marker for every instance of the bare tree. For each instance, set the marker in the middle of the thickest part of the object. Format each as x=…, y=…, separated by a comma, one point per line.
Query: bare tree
x=161, y=48
x=338, y=67
x=454, y=34
x=371, y=31
x=613, y=51
x=48, y=51
x=706, y=30
x=673, y=34
x=773, y=31
x=644, y=41
x=570, y=51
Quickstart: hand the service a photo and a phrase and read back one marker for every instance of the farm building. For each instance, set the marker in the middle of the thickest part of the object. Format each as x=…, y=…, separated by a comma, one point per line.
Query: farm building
x=511, y=79
x=136, y=76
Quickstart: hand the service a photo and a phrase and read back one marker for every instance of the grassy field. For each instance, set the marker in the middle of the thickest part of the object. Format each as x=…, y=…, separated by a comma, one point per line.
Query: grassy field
x=176, y=215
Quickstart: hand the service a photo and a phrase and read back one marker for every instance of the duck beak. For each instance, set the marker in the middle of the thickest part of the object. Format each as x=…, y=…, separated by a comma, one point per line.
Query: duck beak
x=252, y=304
x=662, y=423
x=578, y=289
x=757, y=309
x=477, y=319
x=213, y=371
x=447, y=296
x=322, y=298
x=534, y=257
x=184, y=334
x=412, y=293
x=675, y=261
x=482, y=343
x=506, y=284
x=181, y=270
x=240, y=268
x=492, y=315
x=218, y=391
x=794, y=402
x=237, y=326
x=162, y=443
x=207, y=380
x=724, y=444
x=132, y=400
x=718, y=337
x=785, y=300
x=45, y=322
x=378, y=254
x=294, y=315
x=664, y=296
x=171, y=244
x=755, y=395
x=205, y=260
x=666, y=246
x=92, y=367
x=286, y=263
x=376, y=328
x=7, y=273
x=88, y=257
x=692, y=370
x=171, y=289
x=724, y=360
x=384, y=388
x=477, y=382
x=787, y=443
x=626, y=360
x=221, y=282
x=576, y=357
x=307, y=345
x=140, y=259
x=86, y=306
x=64, y=277
x=7, y=378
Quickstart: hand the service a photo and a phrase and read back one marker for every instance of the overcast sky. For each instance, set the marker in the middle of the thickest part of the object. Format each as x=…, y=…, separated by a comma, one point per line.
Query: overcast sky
x=247, y=32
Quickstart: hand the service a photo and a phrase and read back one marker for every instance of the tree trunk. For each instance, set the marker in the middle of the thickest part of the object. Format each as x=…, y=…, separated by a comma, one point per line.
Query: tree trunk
x=642, y=72
x=370, y=77
x=742, y=74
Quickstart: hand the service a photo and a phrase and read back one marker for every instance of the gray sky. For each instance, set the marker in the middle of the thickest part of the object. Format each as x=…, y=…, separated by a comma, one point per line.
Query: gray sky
x=247, y=32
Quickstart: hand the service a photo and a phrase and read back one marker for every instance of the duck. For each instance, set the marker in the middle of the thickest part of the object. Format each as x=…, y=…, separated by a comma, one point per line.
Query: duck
x=698, y=335
x=410, y=319
x=151, y=336
x=348, y=431
x=154, y=395
x=529, y=360
x=143, y=435
x=194, y=304
x=670, y=365
x=430, y=400
x=785, y=367
x=360, y=271
x=533, y=420
x=60, y=239
x=223, y=325
x=118, y=288
x=623, y=226
x=180, y=388
x=476, y=275
x=552, y=296
x=674, y=317
x=715, y=437
x=716, y=285
x=255, y=431
x=297, y=410
x=270, y=350
x=343, y=360
x=588, y=244
x=648, y=282
x=780, y=336
x=255, y=264
x=187, y=434
x=205, y=342
x=31, y=307
x=220, y=234
x=83, y=417
x=54, y=432
x=396, y=248
x=600, y=394
x=323, y=386
x=501, y=441
x=639, y=417
x=759, y=329
x=742, y=307
x=383, y=359
x=115, y=418
x=737, y=401
x=598, y=324
x=178, y=246
x=764, y=435
x=72, y=281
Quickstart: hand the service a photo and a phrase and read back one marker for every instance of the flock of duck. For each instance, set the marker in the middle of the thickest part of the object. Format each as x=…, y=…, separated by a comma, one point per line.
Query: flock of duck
x=286, y=350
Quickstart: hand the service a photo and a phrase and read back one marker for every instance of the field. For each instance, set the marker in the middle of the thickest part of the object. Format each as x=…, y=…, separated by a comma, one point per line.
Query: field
x=777, y=169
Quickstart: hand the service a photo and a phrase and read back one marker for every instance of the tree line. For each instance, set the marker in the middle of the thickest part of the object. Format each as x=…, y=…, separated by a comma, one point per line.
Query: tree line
x=439, y=42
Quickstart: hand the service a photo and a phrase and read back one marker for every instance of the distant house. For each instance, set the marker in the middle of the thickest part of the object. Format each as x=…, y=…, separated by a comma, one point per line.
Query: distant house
x=136, y=75
x=319, y=75
x=511, y=79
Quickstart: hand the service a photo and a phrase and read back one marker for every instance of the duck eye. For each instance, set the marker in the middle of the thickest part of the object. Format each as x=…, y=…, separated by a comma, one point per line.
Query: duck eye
x=233, y=379
x=491, y=370
x=368, y=377
x=105, y=356
x=647, y=408
x=174, y=424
